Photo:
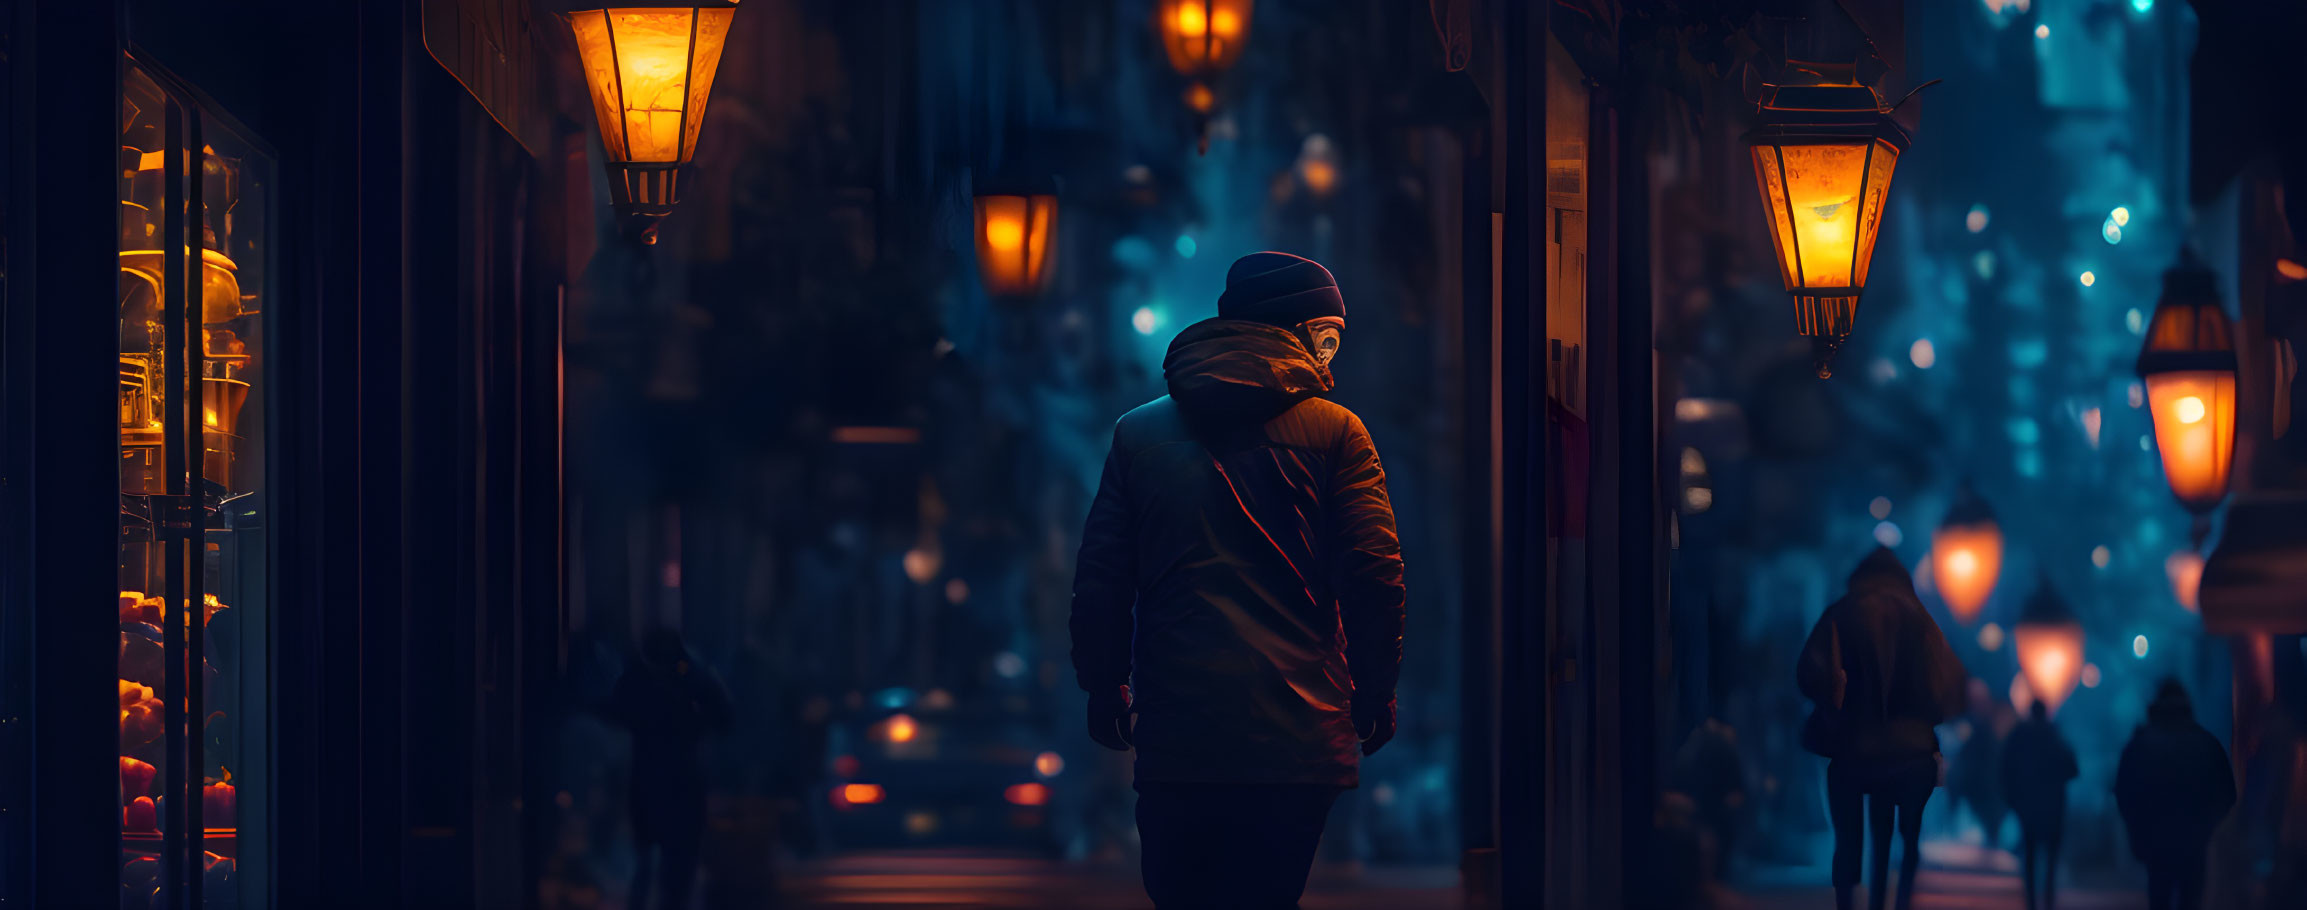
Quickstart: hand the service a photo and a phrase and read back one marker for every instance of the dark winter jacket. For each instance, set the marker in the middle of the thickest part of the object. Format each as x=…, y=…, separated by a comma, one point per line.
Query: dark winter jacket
x=2037, y=764
x=1246, y=522
x=2174, y=785
x=1879, y=669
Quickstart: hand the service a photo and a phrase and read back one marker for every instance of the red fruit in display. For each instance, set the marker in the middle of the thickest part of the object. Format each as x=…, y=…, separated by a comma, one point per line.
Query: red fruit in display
x=217, y=802
x=135, y=778
x=141, y=816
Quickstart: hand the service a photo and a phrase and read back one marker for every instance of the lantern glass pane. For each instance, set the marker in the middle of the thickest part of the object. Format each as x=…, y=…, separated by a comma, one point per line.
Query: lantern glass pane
x=712, y=35
x=2195, y=429
x=1013, y=242
x=1965, y=562
x=594, y=50
x=1878, y=174
x=651, y=48
x=1822, y=199
x=1766, y=176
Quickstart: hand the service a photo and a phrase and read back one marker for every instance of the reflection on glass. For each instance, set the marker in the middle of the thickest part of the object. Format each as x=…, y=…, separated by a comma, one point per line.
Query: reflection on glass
x=216, y=555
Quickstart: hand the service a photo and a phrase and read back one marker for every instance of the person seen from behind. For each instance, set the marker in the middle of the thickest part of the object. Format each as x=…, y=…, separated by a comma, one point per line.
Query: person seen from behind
x=670, y=703
x=1239, y=592
x=1881, y=678
x=2037, y=764
x=2173, y=787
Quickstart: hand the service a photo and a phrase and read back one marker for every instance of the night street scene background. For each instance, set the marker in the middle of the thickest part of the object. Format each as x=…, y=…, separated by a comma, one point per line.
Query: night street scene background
x=643, y=456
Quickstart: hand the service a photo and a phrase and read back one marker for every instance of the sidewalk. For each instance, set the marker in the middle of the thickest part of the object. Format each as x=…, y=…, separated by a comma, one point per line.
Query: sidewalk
x=1955, y=876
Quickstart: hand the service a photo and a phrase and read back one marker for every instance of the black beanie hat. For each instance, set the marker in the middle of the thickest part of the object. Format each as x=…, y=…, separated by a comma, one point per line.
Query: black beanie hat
x=1279, y=289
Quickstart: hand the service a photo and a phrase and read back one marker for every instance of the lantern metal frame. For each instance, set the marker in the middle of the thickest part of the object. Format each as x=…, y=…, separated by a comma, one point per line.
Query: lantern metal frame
x=643, y=193
x=1840, y=113
x=2191, y=333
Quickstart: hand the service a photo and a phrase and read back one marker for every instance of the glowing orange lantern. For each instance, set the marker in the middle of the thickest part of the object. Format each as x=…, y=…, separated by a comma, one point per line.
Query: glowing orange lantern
x=2049, y=640
x=2188, y=366
x=650, y=66
x=1823, y=156
x=1967, y=556
x=1016, y=230
x=1203, y=38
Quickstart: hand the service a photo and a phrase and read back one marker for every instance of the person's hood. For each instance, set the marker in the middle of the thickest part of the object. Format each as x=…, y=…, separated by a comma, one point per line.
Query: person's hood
x=2171, y=706
x=1880, y=570
x=1231, y=370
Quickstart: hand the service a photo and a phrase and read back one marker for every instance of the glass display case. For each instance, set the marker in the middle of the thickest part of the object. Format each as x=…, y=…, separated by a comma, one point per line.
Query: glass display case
x=195, y=221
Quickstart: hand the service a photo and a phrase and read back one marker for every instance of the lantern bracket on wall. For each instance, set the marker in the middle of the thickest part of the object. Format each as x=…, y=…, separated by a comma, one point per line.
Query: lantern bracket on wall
x=649, y=66
x=1824, y=153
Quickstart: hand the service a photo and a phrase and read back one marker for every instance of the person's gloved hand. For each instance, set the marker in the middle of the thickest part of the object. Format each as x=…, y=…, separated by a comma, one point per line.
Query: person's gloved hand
x=1109, y=718
x=1374, y=723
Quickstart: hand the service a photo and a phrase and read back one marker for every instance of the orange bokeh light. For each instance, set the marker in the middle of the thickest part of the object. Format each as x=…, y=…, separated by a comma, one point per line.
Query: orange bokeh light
x=1966, y=560
x=900, y=728
x=857, y=795
x=1048, y=764
x=2185, y=569
x=1027, y=794
x=2051, y=657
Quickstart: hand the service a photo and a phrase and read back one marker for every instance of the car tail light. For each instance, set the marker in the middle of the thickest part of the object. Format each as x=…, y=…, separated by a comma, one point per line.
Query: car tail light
x=848, y=795
x=1027, y=795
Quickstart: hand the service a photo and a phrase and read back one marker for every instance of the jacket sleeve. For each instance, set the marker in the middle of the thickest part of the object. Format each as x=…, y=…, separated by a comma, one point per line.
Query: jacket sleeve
x=1818, y=672
x=1105, y=583
x=1366, y=568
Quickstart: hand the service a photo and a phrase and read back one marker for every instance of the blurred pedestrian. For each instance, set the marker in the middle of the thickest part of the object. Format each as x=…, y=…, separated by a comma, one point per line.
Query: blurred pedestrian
x=1882, y=678
x=670, y=703
x=1976, y=780
x=2037, y=764
x=1241, y=577
x=2173, y=788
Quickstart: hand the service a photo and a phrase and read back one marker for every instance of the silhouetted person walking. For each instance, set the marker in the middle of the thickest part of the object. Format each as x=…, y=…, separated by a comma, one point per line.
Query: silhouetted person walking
x=1245, y=523
x=1882, y=678
x=2037, y=764
x=2173, y=788
x=670, y=703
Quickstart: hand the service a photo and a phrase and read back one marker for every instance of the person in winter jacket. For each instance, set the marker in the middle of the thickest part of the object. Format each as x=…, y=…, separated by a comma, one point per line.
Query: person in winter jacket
x=1882, y=678
x=2173, y=788
x=1239, y=592
x=2037, y=764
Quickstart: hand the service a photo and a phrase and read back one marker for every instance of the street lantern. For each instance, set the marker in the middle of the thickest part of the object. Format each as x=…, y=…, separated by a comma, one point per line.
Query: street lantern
x=1203, y=38
x=1016, y=234
x=1967, y=556
x=2188, y=366
x=650, y=66
x=2049, y=640
x=1823, y=158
